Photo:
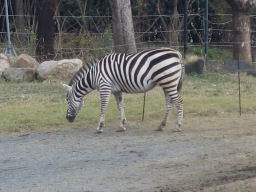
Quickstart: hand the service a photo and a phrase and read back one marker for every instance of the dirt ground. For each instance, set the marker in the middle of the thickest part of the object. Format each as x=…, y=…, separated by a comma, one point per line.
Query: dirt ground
x=210, y=154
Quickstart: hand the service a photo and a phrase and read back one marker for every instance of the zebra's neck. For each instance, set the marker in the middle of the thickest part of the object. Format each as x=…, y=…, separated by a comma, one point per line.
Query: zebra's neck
x=84, y=81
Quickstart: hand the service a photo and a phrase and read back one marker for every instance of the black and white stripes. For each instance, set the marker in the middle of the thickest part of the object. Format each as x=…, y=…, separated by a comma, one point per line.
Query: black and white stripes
x=131, y=73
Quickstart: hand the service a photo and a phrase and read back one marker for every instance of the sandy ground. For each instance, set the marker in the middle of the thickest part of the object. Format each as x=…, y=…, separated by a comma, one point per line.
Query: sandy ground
x=210, y=154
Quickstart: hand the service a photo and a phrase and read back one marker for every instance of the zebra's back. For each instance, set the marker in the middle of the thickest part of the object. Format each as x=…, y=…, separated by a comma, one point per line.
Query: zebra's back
x=141, y=71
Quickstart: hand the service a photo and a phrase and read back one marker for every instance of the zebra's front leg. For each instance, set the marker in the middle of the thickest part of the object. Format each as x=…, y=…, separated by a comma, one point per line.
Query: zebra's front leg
x=104, y=97
x=120, y=105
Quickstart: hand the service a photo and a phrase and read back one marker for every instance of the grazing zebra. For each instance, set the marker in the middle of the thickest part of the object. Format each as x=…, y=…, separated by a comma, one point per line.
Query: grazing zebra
x=131, y=73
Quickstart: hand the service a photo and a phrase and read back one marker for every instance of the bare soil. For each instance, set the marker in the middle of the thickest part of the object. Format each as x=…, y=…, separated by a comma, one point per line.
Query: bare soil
x=210, y=154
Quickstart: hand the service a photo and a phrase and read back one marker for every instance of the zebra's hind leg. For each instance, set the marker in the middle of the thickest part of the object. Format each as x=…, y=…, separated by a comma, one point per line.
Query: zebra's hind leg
x=178, y=101
x=169, y=107
x=120, y=105
x=104, y=96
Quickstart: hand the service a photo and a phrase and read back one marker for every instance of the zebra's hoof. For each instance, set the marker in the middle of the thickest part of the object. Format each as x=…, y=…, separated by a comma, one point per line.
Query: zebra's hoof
x=160, y=128
x=177, y=129
x=98, y=131
x=122, y=129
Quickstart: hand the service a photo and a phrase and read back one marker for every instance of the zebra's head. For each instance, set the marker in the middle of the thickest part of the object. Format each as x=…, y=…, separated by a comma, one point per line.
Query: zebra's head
x=74, y=104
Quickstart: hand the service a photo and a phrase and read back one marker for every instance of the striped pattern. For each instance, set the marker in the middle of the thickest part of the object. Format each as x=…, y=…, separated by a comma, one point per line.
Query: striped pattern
x=131, y=73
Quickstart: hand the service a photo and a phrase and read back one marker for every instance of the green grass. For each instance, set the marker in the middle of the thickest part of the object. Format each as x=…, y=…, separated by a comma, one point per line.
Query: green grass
x=34, y=106
x=213, y=53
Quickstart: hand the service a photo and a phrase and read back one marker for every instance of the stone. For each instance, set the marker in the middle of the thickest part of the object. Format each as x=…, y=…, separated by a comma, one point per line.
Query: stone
x=11, y=60
x=3, y=56
x=19, y=74
x=4, y=64
x=26, y=61
x=66, y=69
x=45, y=69
x=62, y=70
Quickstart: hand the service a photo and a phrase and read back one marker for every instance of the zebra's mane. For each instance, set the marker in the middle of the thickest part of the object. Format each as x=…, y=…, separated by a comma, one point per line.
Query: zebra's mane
x=81, y=72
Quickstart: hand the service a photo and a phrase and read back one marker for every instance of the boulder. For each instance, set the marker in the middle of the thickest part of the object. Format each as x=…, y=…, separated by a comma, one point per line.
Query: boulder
x=11, y=60
x=26, y=61
x=45, y=69
x=4, y=64
x=3, y=56
x=19, y=74
x=63, y=69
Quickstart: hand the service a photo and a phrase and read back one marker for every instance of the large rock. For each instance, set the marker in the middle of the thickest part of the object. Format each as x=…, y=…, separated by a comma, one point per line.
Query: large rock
x=63, y=69
x=4, y=64
x=10, y=58
x=3, y=56
x=26, y=61
x=19, y=74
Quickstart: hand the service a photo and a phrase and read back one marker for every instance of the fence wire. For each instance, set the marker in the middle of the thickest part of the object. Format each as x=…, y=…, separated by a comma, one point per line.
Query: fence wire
x=75, y=38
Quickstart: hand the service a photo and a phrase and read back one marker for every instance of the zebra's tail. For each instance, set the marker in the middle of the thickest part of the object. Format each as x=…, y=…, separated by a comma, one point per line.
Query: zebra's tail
x=182, y=76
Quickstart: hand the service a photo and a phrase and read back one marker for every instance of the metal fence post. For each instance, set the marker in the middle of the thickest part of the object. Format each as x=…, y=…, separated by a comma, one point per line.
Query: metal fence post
x=206, y=35
x=239, y=86
x=9, y=48
x=185, y=28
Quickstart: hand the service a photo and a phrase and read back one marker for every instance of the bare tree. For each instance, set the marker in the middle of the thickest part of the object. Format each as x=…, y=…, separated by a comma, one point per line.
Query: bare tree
x=123, y=31
x=242, y=28
x=174, y=24
x=46, y=28
x=173, y=27
x=19, y=19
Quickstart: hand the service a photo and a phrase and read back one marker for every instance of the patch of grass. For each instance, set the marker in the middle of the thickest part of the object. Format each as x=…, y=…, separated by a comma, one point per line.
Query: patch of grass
x=213, y=53
x=38, y=106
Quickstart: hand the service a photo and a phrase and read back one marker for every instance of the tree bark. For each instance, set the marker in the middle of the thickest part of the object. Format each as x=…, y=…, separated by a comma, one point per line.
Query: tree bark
x=241, y=36
x=19, y=19
x=45, y=30
x=174, y=25
x=123, y=31
x=241, y=28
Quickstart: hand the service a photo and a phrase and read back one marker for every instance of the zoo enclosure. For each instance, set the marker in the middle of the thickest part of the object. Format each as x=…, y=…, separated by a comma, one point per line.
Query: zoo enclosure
x=96, y=39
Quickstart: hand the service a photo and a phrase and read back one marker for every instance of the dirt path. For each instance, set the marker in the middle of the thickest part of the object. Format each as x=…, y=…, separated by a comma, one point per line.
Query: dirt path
x=209, y=155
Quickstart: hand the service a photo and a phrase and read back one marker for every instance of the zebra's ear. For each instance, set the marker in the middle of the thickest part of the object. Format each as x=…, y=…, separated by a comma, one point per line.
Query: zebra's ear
x=66, y=87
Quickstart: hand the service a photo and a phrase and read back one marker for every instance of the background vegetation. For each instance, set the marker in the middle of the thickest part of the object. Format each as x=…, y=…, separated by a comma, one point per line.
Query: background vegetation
x=83, y=28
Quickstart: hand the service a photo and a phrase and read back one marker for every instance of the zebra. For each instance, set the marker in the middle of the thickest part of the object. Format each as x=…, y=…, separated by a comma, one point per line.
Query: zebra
x=130, y=73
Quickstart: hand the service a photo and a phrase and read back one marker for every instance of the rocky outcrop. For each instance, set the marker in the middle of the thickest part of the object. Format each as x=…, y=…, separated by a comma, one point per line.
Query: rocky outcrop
x=4, y=64
x=26, y=68
x=19, y=74
x=63, y=69
x=26, y=61
x=9, y=58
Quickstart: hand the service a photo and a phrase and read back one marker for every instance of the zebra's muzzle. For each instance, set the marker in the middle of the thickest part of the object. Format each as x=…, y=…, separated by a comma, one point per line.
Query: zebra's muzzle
x=70, y=118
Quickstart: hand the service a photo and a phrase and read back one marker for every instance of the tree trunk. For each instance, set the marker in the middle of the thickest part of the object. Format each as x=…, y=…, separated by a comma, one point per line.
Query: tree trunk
x=45, y=30
x=123, y=31
x=241, y=36
x=19, y=19
x=174, y=25
x=241, y=28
